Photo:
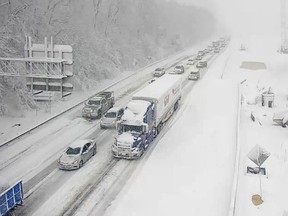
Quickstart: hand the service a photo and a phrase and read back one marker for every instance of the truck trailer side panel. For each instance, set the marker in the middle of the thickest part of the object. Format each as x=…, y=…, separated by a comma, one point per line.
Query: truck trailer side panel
x=164, y=94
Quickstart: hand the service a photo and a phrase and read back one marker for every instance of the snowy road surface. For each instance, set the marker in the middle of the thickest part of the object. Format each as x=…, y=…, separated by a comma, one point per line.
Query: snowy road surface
x=33, y=158
x=190, y=170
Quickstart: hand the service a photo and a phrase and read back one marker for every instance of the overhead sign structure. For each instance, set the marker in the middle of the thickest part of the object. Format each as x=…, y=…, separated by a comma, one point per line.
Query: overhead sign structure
x=46, y=67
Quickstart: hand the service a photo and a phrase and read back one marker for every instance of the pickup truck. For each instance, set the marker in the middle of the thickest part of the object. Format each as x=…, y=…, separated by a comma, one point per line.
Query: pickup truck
x=98, y=105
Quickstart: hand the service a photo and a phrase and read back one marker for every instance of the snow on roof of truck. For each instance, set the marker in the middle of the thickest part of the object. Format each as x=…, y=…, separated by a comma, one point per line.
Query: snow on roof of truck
x=126, y=138
x=135, y=111
x=159, y=87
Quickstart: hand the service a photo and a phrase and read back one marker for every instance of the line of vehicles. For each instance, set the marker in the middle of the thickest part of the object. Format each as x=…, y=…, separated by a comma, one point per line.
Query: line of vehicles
x=141, y=120
x=143, y=117
x=137, y=124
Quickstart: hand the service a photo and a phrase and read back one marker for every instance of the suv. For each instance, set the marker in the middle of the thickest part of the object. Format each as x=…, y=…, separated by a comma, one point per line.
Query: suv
x=201, y=64
x=159, y=72
x=111, y=117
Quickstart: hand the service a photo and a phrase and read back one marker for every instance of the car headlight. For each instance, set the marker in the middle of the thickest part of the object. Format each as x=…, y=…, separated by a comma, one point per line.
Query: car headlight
x=75, y=162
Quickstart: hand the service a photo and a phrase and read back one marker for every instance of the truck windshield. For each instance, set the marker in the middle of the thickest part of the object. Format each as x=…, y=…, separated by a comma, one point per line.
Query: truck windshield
x=132, y=128
x=94, y=102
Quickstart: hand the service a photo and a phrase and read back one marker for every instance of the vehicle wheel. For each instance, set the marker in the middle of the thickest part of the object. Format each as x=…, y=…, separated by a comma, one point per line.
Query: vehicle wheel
x=80, y=164
x=176, y=106
x=145, y=146
x=94, y=151
x=159, y=128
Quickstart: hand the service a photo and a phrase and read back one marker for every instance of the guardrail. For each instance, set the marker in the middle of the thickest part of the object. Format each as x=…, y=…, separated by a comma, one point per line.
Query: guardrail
x=237, y=164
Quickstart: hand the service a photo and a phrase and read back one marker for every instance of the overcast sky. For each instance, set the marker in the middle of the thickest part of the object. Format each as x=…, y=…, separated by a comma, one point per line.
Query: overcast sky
x=244, y=16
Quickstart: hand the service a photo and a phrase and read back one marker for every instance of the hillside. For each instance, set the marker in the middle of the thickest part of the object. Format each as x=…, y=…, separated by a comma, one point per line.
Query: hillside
x=107, y=37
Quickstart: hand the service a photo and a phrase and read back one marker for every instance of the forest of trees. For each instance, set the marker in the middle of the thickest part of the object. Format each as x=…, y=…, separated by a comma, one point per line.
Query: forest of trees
x=107, y=36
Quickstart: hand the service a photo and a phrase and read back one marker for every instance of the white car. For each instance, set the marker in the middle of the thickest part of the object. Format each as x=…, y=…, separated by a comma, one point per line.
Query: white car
x=194, y=74
x=179, y=69
x=111, y=117
x=191, y=62
x=77, y=154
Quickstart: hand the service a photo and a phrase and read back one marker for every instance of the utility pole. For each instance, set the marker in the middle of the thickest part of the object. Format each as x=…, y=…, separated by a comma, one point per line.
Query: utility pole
x=284, y=39
x=8, y=5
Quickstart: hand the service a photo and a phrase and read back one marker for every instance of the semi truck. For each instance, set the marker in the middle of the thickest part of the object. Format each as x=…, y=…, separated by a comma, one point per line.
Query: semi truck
x=10, y=197
x=145, y=115
x=98, y=105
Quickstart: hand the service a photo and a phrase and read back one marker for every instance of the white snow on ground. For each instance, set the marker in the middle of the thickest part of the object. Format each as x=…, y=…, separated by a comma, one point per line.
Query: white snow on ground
x=263, y=131
x=190, y=171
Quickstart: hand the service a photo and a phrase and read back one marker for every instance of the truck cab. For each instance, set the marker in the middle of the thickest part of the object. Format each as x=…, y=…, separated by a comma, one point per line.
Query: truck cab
x=135, y=130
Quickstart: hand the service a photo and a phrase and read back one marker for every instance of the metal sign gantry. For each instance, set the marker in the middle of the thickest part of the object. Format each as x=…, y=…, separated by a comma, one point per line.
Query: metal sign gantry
x=46, y=67
x=284, y=28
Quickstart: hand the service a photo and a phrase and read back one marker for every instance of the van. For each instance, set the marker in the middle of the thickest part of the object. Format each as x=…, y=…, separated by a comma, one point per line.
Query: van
x=111, y=117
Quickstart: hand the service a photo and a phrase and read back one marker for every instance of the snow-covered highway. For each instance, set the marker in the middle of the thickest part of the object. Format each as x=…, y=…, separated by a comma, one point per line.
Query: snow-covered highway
x=33, y=158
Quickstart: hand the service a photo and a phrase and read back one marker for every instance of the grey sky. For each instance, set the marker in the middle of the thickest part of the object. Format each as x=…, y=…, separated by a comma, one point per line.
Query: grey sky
x=244, y=16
